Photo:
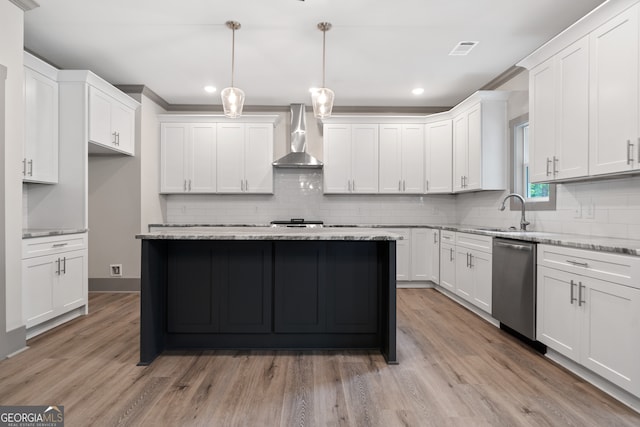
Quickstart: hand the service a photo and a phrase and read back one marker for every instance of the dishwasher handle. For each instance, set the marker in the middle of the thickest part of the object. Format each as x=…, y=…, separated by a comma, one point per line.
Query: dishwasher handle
x=515, y=246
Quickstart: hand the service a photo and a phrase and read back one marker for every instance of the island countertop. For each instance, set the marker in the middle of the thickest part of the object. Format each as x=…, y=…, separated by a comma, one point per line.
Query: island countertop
x=269, y=233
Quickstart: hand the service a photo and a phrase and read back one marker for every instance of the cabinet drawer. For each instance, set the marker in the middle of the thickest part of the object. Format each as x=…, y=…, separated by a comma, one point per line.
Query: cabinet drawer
x=447, y=236
x=475, y=241
x=39, y=246
x=623, y=269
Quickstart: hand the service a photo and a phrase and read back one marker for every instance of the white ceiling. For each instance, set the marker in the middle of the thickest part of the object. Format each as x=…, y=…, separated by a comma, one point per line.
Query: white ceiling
x=377, y=50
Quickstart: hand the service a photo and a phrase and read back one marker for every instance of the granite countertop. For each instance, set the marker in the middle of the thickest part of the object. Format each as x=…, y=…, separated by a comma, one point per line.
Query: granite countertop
x=595, y=243
x=29, y=233
x=268, y=233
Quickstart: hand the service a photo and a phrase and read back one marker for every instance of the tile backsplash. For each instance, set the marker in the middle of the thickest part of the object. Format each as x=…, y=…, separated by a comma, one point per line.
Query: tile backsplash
x=609, y=207
x=298, y=194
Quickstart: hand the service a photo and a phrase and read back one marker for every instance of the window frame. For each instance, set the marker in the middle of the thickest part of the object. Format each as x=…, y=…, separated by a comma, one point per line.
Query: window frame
x=517, y=176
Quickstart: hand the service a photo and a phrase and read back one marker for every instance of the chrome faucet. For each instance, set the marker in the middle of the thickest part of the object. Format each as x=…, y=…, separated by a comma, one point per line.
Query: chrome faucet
x=523, y=220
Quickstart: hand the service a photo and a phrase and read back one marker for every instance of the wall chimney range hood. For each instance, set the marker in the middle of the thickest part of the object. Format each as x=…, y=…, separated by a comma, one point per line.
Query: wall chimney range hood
x=298, y=157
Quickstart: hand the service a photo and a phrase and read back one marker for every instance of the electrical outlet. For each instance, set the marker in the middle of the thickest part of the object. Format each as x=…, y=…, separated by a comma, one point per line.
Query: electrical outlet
x=577, y=211
x=116, y=270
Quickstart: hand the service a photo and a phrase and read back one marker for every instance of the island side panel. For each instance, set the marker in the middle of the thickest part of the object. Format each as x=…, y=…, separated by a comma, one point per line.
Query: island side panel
x=387, y=261
x=153, y=289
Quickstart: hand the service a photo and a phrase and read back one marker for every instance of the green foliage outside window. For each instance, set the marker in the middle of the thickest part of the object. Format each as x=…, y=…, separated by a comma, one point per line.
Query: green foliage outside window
x=538, y=190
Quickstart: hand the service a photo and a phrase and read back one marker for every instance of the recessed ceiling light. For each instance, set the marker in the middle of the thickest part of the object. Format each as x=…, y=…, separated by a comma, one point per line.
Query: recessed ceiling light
x=417, y=91
x=209, y=89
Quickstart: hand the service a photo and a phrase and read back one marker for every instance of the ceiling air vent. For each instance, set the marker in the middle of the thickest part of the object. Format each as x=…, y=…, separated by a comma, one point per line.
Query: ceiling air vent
x=462, y=48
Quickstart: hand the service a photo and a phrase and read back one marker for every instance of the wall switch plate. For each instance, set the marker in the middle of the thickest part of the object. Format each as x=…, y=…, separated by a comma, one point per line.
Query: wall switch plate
x=115, y=270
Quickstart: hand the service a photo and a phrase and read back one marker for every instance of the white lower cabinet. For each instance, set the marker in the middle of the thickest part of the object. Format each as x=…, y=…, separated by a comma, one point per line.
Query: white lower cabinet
x=54, y=278
x=588, y=319
x=403, y=254
x=465, y=267
x=415, y=254
x=433, y=255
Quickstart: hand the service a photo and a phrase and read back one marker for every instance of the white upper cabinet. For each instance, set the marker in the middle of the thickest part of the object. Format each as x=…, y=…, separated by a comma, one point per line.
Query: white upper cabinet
x=40, y=160
x=245, y=154
x=614, y=114
x=188, y=158
x=111, y=123
x=438, y=157
x=401, y=168
x=559, y=115
x=479, y=142
x=350, y=158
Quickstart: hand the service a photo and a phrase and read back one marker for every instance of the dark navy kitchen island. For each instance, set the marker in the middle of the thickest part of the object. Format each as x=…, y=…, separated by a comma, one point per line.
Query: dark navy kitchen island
x=267, y=288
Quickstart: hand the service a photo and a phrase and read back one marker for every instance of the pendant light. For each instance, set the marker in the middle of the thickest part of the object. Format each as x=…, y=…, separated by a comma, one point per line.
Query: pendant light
x=322, y=98
x=232, y=97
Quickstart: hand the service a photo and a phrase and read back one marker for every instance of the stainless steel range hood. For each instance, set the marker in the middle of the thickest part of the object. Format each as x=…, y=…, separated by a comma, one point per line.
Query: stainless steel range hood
x=298, y=157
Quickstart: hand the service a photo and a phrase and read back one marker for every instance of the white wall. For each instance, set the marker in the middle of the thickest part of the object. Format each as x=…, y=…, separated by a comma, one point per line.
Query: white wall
x=615, y=202
x=11, y=47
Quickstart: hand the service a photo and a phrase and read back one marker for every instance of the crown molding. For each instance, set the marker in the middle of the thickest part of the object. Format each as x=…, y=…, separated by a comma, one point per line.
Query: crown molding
x=25, y=5
x=504, y=77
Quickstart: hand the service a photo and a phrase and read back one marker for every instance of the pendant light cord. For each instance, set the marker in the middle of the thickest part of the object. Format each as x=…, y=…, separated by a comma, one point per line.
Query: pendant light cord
x=324, y=36
x=233, y=53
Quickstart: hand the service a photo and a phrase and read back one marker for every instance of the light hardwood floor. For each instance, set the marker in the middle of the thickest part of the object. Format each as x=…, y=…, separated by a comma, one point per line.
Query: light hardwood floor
x=455, y=370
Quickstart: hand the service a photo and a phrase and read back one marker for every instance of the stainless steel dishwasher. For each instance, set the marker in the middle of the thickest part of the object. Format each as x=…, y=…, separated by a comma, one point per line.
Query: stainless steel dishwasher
x=514, y=285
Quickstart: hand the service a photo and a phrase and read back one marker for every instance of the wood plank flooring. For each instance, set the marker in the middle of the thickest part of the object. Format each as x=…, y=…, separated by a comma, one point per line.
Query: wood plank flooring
x=455, y=370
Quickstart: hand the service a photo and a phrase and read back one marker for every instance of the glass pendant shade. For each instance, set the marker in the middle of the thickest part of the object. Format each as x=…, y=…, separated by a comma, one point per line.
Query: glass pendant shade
x=322, y=100
x=232, y=101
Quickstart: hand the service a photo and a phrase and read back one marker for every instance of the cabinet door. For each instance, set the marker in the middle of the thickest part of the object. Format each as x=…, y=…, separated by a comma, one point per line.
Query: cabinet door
x=38, y=275
x=572, y=113
x=464, y=275
x=613, y=113
x=413, y=159
x=403, y=254
x=41, y=129
x=438, y=157
x=192, y=305
x=70, y=290
x=337, y=158
x=460, y=148
x=390, y=170
x=100, y=131
x=258, y=158
x=352, y=296
x=420, y=254
x=542, y=121
x=609, y=339
x=448, y=267
x=230, y=158
x=364, y=158
x=474, y=149
x=480, y=264
x=242, y=271
x=173, y=157
x=123, y=122
x=557, y=321
x=434, y=256
x=300, y=287
x=201, y=152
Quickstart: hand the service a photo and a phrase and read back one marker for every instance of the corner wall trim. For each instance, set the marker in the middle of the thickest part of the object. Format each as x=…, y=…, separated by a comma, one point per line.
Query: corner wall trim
x=114, y=285
x=26, y=5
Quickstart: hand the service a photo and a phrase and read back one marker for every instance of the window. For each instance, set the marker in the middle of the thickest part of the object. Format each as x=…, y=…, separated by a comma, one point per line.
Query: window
x=538, y=196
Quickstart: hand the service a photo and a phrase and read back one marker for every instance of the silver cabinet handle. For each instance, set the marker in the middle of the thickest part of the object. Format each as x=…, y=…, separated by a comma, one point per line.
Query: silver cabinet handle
x=30, y=162
x=58, y=266
x=580, y=300
x=426, y=185
x=450, y=254
x=629, y=152
x=242, y=185
x=24, y=167
x=578, y=264
x=548, y=164
x=404, y=185
x=555, y=164
x=399, y=185
x=118, y=138
x=59, y=245
x=571, y=285
x=189, y=185
x=470, y=260
x=353, y=185
x=114, y=138
x=467, y=259
x=64, y=265
x=246, y=185
x=185, y=185
x=435, y=237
